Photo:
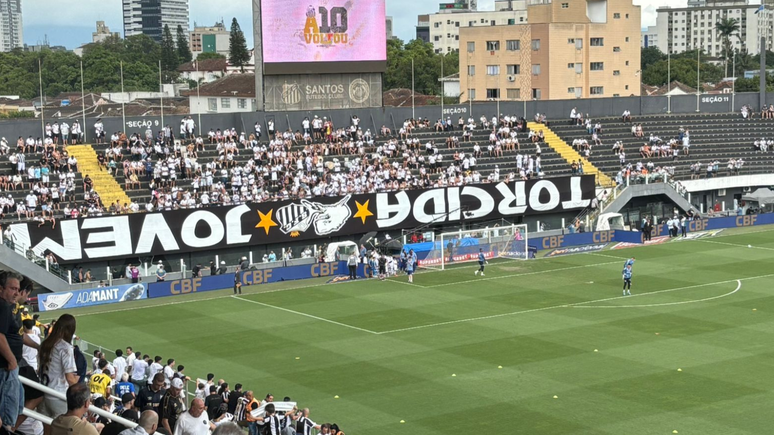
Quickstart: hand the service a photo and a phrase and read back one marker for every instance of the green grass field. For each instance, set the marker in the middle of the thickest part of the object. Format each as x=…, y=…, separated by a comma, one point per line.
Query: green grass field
x=690, y=351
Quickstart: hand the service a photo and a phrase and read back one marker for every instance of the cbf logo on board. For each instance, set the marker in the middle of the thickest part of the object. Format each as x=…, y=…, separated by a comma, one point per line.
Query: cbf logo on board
x=331, y=29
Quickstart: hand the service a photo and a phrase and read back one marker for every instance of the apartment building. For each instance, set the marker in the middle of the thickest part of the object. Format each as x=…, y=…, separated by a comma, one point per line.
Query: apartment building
x=569, y=49
x=688, y=28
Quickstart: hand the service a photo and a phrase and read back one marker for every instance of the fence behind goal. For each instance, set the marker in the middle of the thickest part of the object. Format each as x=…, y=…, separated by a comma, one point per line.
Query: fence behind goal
x=507, y=242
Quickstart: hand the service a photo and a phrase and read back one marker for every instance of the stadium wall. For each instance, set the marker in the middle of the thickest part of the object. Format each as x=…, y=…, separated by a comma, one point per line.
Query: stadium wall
x=392, y=117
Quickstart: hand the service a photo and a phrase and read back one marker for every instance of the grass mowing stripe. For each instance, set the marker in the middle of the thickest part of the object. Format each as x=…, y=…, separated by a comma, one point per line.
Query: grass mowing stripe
x=525, y=274
x=570, y=305
x=735, y=245
x=322, y=319
x=666, y=304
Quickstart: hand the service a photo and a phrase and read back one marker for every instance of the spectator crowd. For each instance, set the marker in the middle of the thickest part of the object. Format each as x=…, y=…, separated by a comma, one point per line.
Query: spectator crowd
x=137, y=394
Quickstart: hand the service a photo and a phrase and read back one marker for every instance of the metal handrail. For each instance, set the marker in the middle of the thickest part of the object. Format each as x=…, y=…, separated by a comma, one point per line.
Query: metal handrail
x=61, y=396
x=38, y=416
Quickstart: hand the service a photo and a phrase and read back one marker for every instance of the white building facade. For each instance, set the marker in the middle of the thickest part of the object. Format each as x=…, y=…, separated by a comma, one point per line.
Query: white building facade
x=649, y=37
x=11, y=35
x=684, y=29
x=445, y=25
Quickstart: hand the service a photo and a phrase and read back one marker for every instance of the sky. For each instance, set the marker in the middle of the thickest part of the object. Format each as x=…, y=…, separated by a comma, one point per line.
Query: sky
x=72, y=26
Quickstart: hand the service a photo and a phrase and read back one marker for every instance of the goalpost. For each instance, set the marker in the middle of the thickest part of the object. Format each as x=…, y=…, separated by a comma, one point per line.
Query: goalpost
x=506, y=242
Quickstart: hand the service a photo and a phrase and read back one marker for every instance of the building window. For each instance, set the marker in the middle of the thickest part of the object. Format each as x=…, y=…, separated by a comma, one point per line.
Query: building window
x=616, y=16
x=436, y=38
x=616, y=73
x=627, y=87
x=513, y=69
x=492, y=93
x=536, y=69
x=252, y=104
x=493, y=70
x=597, y=90
x=578, y=68
x=627, y=39
x=571, y=40
x=570, y=65
x=565, y=5
x=472, y=94
x=578, y=44
x=597, y=66
x=225, y=103
x=627, y=63
x=536, y=94
x=471, y=46
x=513, y=45
x=627, y=17
x=492, y=45
x=471, y=70
x=618, y=49
x=597, y=42
x=570, y=90
x=513, y=94
x=242, y=103
x=535, y=44
x=511, y=21
x=436, y=25
x=212, y=104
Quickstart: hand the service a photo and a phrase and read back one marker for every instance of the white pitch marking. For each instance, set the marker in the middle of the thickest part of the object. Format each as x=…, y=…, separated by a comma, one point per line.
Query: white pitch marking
x=322, y=319
x=572, y=305
x=665, y=304
x=735, y=245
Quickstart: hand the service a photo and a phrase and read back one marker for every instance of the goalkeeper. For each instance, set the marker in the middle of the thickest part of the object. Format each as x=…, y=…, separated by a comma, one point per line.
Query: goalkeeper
x=481, y=261
x=627, y=280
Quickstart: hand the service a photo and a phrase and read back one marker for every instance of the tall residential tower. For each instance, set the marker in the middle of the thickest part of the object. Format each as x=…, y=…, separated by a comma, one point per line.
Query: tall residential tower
x=150, y=16
x=10, y=25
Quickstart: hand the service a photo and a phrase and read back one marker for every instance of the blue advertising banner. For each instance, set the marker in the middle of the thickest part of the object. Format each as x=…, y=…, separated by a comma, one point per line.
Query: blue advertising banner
x=248, y=277
x=95, y=296
x=190, y=285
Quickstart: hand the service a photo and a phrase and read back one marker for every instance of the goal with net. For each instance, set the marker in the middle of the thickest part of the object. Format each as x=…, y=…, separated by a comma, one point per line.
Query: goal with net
x=506, y=242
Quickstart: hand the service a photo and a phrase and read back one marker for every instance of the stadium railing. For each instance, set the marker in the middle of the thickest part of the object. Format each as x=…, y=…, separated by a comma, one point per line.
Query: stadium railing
x=47, y=420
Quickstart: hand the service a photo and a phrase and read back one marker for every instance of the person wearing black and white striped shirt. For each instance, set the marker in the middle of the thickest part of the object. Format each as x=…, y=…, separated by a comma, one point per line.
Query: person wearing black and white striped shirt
x=304, y=425
x=272, y=421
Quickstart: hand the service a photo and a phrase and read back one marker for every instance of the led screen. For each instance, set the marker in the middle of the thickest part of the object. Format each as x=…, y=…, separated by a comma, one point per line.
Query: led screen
x=323, y=31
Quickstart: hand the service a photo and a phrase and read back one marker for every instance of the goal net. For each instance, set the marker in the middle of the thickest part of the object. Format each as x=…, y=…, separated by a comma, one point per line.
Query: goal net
x=499, y=242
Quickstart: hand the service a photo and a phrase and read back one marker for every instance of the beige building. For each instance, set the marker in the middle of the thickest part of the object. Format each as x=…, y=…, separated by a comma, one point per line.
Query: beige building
x=569, y=49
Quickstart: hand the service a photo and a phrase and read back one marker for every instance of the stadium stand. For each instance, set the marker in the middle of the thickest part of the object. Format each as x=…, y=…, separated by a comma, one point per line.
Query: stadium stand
x=175, y=173
x=724, y=142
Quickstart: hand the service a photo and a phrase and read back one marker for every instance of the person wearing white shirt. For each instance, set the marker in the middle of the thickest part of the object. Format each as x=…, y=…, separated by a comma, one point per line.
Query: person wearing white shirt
x=57, y=364
x=194, y=421
x=154, y=368
x=169, y=371
x=119, y=364
x=139, y=372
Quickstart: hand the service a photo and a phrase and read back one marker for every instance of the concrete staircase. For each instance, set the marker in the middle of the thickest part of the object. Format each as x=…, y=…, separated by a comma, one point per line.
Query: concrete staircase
x=104, y=184
x=569, y=154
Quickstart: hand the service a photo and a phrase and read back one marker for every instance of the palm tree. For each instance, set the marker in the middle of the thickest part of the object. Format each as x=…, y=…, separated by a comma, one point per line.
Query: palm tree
x=726, y=28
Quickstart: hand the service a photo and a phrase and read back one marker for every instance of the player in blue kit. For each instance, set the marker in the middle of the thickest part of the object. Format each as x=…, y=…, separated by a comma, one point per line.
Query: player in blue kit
x=411, y=263
x=629, y=262
x=481, y=261
x=627, y=280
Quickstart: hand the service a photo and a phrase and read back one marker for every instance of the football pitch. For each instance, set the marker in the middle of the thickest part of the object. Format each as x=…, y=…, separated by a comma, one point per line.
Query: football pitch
x=547, y=346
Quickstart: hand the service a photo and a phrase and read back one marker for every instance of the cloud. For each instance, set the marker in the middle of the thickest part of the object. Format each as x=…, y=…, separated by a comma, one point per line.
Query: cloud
x=82, y=19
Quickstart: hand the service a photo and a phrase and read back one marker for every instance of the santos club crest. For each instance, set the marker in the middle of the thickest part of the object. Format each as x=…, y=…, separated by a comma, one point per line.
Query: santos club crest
x=326, y=218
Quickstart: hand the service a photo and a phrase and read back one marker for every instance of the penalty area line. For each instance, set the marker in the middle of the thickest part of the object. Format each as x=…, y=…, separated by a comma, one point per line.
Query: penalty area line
x=573, y=305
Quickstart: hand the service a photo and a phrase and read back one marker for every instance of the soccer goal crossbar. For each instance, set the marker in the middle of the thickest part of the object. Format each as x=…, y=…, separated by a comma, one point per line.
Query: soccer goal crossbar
x=508, y=242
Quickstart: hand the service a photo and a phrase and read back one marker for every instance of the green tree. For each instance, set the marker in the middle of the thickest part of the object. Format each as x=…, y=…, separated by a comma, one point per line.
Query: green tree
x=237, y=47
x=169, y=60
x=183, y=50
x=726, y=28
x=651, y=55
x=209, y=55
x=683, y=68
x=427, y=66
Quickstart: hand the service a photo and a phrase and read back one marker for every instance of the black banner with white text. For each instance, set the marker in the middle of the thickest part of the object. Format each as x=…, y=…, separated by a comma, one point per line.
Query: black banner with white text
x=101, y=238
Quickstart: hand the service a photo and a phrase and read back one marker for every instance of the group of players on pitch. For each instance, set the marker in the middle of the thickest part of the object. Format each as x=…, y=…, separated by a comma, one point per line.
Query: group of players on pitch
x=626, y=274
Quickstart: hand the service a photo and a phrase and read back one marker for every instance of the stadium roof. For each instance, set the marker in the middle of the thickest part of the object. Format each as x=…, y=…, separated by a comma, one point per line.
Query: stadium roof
x=232, y=85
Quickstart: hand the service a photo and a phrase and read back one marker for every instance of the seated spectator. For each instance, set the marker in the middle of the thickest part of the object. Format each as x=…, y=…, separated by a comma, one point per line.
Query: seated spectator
x=72, y=421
